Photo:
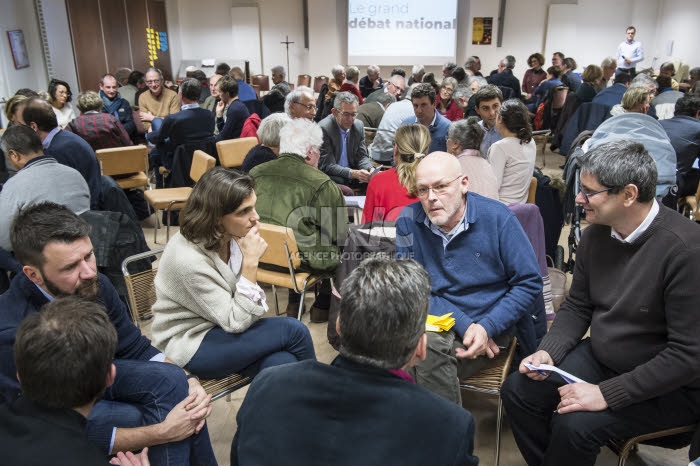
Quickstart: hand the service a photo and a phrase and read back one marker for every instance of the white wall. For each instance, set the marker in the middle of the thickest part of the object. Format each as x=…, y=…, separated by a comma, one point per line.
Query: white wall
x=19, y=14
x=60, y=42
x=203, y=29
x=677, y=21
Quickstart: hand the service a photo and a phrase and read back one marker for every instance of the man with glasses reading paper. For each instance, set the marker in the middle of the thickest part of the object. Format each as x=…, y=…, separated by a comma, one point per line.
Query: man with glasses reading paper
x=483, y=271
x=635, y=287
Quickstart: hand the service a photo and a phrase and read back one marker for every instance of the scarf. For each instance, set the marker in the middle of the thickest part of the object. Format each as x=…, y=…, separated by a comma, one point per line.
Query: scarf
x=111, y=106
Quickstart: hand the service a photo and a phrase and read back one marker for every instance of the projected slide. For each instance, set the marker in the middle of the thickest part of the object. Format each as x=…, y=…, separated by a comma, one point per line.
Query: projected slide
x=401, y=32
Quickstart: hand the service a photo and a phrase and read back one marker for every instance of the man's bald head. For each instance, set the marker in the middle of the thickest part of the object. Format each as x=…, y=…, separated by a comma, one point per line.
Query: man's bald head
x=441, y=188
x=440, y=162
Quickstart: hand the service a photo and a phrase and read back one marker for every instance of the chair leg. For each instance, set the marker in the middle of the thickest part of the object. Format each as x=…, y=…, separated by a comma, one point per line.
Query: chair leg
x=499, y=421
x=167, y=227
x=277, y=304
x=155, y=230
x=301, y=304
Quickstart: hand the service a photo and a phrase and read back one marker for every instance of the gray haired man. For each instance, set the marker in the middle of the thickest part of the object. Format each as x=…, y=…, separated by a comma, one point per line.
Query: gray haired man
x=362, y=408
x=344, y=154
x=635, y=288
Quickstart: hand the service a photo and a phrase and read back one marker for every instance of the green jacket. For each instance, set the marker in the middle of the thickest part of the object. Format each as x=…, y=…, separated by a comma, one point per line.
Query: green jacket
x=294, y=194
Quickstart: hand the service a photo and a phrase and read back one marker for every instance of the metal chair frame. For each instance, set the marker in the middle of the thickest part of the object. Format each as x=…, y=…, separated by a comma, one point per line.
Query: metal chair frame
x=622, y=448
x=308, y=282
x=490, y=381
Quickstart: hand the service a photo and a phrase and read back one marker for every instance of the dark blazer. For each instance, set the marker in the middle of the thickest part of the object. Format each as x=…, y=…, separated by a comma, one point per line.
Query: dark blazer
x=193, y=124
x=236, y=115
x=370, y=114
x=358, y=158
x=72, y=150
x=348, y=414
x=610, y=96
x=366, y=86
x=32, y=435
x=506, y=79
x=24, y=298
x=684, y=133
x=126, y=117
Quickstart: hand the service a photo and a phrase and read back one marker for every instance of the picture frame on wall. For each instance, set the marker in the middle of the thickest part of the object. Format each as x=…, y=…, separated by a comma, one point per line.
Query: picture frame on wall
x=19, y=48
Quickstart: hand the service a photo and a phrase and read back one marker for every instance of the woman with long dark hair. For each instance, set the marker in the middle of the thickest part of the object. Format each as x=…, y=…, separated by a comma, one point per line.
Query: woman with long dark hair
x=513, y=157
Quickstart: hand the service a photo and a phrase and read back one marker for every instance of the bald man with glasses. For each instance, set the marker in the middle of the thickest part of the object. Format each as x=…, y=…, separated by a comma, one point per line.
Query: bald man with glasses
x=482, y=267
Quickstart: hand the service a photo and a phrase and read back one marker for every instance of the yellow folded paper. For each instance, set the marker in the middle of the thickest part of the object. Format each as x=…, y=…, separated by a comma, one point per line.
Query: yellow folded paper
x=439, y=323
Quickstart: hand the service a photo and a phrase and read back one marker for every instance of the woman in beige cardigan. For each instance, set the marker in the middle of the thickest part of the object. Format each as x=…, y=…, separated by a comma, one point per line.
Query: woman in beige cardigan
x=208, y=307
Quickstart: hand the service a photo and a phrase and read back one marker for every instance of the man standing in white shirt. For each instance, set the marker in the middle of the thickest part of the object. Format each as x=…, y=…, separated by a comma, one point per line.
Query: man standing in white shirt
x=629, y=53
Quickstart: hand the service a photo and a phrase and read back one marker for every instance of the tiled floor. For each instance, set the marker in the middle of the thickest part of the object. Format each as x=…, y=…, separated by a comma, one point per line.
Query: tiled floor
x=222, y=422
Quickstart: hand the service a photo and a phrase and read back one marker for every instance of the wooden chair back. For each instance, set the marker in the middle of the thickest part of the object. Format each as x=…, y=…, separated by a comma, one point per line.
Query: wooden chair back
x=532, y=190
x=123, y=160
x=201, y=163
x=319, y=81
x=282, y=249
x=232, y=152
x=304, y=80
x=262, y=80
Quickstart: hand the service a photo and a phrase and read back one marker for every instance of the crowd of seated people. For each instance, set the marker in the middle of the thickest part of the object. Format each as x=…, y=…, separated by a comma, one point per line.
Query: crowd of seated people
x=445, y=151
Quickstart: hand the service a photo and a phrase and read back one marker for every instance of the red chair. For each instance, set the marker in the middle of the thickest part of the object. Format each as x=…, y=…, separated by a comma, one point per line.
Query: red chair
x=263, y=81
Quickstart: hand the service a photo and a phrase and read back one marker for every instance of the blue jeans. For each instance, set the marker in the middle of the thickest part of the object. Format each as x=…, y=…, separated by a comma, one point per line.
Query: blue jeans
x=268, y=342
x=143, y=394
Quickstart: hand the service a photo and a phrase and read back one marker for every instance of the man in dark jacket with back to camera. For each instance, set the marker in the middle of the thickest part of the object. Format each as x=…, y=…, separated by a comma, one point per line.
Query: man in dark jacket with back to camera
x=364, y=408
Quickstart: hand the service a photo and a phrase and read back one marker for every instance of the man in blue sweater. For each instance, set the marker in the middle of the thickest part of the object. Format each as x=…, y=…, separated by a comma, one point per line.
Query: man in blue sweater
x=482, y=267
x=151, y=403
x=423, y=100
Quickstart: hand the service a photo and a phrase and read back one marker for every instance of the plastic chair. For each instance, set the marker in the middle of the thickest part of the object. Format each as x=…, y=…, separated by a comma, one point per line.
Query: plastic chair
x=170, y=199
x=131, y=161
x=232, y=152
x=490, y=381
x=261, y=80
x=142, y=295
x=283, y=253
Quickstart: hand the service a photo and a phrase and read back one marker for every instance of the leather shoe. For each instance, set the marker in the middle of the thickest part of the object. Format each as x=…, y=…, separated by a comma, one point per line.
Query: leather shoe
x=318, y=316
x=293, y=310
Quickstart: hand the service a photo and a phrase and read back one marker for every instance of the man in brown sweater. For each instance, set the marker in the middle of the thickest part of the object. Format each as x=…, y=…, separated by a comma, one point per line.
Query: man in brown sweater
x=158, y=102
x=635, y=286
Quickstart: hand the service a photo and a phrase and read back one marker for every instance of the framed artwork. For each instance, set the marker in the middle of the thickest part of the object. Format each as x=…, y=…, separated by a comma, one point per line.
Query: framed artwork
x=19, y=48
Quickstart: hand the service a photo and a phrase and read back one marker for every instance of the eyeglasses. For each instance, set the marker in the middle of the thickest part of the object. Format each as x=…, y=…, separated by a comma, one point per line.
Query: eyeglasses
x=153, y=81
x=439, y=190
x=587, y=196
x=309, y=107
x=348, y=114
